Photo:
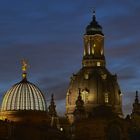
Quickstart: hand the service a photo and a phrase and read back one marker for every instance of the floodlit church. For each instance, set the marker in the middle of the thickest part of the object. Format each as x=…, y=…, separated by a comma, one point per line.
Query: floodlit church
x=93, y=103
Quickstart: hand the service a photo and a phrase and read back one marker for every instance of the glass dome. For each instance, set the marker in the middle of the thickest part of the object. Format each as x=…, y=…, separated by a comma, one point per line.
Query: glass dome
x=23, y=96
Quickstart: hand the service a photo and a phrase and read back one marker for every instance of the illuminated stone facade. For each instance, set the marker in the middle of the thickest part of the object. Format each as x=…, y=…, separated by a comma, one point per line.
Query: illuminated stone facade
x=98, y=86
x=94, y=99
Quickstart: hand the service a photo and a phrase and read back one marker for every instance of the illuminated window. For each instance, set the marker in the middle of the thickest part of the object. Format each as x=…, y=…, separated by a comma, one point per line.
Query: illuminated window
x=106, y=98
x=104, y=76
x=92, y=50
x=88, y=48
x=98, y=64
x=86, y=76
x=101, y=52
x=84, y=52
x=94, y=45
x=84, y=96
x=68, y=97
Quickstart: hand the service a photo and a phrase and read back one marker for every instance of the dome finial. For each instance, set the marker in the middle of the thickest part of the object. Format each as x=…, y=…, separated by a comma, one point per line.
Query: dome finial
x=94, y=14
x=94, y=27
x=136, y=97
x=24, y=68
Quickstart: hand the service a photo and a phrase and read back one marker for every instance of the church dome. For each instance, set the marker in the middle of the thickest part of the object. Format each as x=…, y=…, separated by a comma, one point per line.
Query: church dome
x=24, y=96
x=98, y=87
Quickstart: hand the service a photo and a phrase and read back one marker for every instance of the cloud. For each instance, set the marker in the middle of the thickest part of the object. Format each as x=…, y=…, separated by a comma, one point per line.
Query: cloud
x=50, y=35
x=128, y=99
x=57, y=87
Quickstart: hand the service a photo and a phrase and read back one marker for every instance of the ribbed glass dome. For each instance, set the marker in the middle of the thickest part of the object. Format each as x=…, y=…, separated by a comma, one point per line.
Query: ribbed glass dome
x=23, y=96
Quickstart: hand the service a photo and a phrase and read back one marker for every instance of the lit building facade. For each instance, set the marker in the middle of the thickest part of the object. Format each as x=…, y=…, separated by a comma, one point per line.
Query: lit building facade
x=94, y=98
x=98, y=86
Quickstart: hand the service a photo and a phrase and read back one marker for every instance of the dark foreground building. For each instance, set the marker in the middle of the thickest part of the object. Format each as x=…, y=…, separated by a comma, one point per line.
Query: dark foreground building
x=93, y=103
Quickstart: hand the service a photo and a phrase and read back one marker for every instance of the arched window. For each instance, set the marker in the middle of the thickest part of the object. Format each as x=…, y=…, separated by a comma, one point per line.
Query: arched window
x=106, y=98
x=98, y=64
x=85, y=96
x=86, y=76
x=94, y=45
x=88, y=48
x=68, y=97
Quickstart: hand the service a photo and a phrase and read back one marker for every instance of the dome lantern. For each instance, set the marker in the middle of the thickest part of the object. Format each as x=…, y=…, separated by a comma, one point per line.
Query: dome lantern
x=136, y=98
x=94, y=27
x=93, y=45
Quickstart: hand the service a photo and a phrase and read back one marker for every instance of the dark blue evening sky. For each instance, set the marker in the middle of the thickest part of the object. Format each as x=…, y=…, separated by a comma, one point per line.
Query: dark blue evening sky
x=49, y=33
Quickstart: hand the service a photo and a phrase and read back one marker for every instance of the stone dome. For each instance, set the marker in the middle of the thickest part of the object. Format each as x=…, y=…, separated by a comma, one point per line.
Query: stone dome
x=24, y=96
x=98, y=87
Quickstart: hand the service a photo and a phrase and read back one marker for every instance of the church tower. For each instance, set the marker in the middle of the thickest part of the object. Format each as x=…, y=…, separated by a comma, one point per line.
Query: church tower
x=136, y=110
x=98, y=86
x=93, y=45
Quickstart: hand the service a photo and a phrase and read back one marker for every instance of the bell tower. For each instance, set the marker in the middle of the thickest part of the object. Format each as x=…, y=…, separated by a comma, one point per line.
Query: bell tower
x=93, y=45
x=99, y=87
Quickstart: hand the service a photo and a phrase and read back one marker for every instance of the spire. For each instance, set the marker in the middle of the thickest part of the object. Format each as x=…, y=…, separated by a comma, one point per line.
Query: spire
x=24, y=69
x=136, y=105
x=53, y=114
x=79, y=101
x=52, y=106
x=79, y=111
x=136, y=98
x=94, y=15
